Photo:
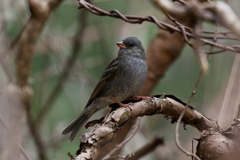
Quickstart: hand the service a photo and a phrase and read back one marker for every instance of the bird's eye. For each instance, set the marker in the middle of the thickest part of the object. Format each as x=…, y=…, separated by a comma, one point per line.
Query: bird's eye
x=131, y=45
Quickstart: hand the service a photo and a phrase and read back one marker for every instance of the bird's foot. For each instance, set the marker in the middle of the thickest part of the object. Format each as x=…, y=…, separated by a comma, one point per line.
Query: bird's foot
x=126, y=105
x=121, y=104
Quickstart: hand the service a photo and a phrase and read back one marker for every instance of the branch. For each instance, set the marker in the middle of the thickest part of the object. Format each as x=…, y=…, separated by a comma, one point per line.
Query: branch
x=24, y=153
x=175, y=10
x=34, y=130
x=221, y=13
x=182, y=115
x=93, y=141
x=40, y=12
x=165, y=26
x=12, y=120
x=218, y=12
x=232, y=92
x=150, y=146
x=7, y=71
x=134, y=131
x=216, y=145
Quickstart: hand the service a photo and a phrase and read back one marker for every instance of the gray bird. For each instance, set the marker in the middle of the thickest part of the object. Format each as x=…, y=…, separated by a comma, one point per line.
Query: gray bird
x=121, y=80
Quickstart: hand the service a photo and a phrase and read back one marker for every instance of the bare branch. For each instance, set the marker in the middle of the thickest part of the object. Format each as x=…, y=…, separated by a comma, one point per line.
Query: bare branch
x=181, y=117
x=218, y=12
x=217, y=145
x=134, y=131
x=24, y=153
x=9, y=74
x=94, y=140
x=138, y=20
x=231, y=95
x=150, y=146
x=13, y=117
x=202, y=56
x=224, y=15
x=40, y=145
x=40, y=12
x=175, y=10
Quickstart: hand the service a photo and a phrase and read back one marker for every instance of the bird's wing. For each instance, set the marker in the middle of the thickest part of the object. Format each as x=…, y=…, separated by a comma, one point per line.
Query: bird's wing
x=110, y=72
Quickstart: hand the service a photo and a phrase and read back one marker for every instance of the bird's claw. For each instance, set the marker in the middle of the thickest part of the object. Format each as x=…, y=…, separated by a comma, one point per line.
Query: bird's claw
x=126, y=106
x=121, y=104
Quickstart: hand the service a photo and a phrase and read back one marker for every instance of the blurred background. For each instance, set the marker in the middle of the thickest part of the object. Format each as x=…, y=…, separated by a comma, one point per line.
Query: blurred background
x=70, y=30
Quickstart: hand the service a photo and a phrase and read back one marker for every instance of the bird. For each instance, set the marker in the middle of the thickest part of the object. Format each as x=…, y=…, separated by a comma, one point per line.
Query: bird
x=121, y=80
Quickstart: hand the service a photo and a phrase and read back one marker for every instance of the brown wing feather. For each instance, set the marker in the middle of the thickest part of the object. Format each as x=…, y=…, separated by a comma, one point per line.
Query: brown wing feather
x=111, y=70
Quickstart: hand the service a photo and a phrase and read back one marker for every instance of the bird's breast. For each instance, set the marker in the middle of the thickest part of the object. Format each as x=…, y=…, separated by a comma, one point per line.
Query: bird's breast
x=131, y=76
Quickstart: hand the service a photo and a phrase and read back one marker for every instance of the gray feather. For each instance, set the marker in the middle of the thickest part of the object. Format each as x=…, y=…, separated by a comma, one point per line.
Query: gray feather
x=77, y=124
x=122, y=78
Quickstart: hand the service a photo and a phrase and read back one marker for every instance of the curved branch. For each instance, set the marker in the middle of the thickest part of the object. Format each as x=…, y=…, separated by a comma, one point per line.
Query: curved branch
x=93, y=141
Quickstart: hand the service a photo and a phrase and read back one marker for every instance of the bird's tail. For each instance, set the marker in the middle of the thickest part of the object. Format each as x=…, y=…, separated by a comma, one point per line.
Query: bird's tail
x=77, y=124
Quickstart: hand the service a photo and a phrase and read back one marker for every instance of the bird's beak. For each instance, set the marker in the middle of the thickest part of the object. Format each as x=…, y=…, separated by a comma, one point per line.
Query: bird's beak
x=121, y=45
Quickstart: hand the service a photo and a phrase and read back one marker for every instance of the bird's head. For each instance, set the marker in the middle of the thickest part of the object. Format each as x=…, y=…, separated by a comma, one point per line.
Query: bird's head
x=133, y=46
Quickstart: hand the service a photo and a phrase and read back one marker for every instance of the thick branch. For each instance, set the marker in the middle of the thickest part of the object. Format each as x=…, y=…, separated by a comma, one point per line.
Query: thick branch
x=93, y=141
x=12, y=120
x=218, y=12
x=216, y=145
x=40, y=12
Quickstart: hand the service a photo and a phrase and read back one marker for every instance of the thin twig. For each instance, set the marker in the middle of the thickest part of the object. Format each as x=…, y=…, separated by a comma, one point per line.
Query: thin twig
x=230, y=86
x=181, y=1
x=215, y=52
x=165, y=26
x=183, y=28
x=4, y=126
x=9, y=49
x=181, y=116
x=24, y=153
x=134, y=131
x=12, y=45
x=40, y=145
x=198, y=48
x=150, y=146
x=2, y=123
x=147, y=148
x=192, y=148
x=6, y=69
